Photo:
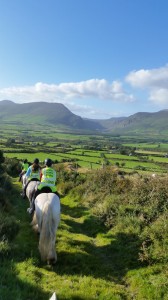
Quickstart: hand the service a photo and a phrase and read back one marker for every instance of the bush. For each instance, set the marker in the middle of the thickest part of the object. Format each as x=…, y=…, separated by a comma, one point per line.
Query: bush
x=65, y=187
x=5, y=182
x=131, y=205
x=2, y=159
x=3, y=198
x=12, y=166
x=4, y=249
x=9, y=227
x=155, y=241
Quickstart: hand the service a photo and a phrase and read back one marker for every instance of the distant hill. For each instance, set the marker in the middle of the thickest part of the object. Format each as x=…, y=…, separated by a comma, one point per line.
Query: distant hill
x=141, y=122
x=56, y=114
x=44, y=113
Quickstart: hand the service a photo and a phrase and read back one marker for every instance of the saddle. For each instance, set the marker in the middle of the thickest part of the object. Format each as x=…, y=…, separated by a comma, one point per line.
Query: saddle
x=46, y=189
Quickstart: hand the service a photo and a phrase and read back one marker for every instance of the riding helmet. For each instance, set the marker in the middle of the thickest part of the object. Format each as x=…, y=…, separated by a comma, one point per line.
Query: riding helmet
x=36, y=161
x=48, y=162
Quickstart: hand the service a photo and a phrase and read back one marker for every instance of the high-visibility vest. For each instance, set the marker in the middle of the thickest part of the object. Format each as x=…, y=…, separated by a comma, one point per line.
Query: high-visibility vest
x=25, y=166
x=34, y=174
x=48, y=179
x=48, y=176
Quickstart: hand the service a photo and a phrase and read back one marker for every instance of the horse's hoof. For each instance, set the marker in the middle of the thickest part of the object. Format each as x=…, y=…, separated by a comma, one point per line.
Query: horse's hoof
x=51, y=261
x=23, y=195
x=30, y=211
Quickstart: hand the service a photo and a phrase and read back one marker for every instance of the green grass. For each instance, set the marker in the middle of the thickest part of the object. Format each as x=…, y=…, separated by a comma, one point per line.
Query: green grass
x=83, y=270
x=94, y=263
x=93, y=159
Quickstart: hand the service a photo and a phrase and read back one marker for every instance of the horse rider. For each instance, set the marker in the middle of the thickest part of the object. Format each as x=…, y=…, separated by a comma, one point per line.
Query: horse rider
x=32, y=174
x=47, y=184
x=25, y=166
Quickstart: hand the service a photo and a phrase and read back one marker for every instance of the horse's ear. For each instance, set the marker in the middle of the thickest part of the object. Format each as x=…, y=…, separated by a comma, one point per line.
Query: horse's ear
x=54, y=297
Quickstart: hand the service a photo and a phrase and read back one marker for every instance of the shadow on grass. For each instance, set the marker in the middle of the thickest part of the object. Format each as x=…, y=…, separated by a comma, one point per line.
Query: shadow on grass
x=91, y=225
x=110, y=262
x=22, y=249
x=74, y=212
x=11, y=287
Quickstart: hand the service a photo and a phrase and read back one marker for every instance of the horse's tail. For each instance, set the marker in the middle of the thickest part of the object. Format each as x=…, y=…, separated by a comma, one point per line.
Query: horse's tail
x=47, y=232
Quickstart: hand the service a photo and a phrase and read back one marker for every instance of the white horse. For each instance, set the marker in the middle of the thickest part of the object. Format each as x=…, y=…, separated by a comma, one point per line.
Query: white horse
x=23, y=180
x=46, y=220
x=32, y=186
x=54, y=297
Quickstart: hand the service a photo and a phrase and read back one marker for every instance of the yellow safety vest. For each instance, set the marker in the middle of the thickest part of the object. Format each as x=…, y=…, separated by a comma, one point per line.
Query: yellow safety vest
x=34, y=174
x=48, y=176
x=48, y=179
x=25, y=166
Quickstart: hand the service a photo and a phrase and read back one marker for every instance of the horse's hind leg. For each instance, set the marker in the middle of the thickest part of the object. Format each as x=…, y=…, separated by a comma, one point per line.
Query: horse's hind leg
x=34, y=223
x=34, y=220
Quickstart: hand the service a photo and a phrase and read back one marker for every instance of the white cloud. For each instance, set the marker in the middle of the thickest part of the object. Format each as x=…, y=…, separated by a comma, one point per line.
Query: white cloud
x=159, y=96
x=93, y=89
x=154, y=78
x=155, y=81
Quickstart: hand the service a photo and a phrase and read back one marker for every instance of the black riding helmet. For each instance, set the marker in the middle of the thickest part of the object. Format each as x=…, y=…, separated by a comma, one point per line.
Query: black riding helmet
x=48, y=162
x=36, y=161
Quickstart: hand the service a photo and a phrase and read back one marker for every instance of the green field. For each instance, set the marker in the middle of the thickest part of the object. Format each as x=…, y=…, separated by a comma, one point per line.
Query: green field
x=87, y=151
x=112, y=239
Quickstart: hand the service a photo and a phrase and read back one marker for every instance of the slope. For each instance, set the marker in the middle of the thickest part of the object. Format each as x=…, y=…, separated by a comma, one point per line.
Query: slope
x=43, y=113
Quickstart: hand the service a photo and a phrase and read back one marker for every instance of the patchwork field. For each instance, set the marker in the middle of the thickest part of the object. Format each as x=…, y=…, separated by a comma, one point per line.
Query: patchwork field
x=85, y=151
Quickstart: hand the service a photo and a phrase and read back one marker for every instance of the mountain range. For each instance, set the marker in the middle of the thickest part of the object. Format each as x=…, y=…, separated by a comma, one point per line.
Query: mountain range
x=58, y=115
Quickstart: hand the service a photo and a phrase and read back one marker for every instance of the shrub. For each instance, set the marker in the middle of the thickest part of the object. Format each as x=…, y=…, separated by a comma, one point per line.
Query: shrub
x=65, y=187
x=9, y=227
x=4, y=249
x=131, y=205
x=5, y=182
x=155, y=241
x=2, y=159
x=3, y=198
x=12, y=166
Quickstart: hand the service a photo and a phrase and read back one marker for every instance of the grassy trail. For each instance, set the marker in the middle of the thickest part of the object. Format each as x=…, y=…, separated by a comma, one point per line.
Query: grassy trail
x=85, y=267
x=93, y=263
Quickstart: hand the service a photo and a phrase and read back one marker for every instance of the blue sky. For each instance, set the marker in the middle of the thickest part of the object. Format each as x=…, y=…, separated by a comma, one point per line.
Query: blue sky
x=100, y=58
